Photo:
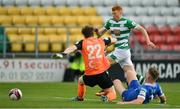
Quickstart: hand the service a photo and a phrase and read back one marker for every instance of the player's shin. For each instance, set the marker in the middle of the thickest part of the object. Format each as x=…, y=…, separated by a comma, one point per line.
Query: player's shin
x=111, y=94
x=81, y=90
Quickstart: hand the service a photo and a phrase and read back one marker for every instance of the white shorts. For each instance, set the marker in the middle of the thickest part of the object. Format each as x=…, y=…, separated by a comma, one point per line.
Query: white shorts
x=123, y=57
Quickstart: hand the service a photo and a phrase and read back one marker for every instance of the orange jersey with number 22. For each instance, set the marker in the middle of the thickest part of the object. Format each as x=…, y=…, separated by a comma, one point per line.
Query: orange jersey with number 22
x=94, y=56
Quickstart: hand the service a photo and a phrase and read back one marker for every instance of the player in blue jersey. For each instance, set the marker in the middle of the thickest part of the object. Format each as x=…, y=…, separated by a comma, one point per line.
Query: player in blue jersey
x=142, y=94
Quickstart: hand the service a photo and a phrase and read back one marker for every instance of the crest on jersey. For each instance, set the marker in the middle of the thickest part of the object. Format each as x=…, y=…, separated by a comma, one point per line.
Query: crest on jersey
x=116, y=32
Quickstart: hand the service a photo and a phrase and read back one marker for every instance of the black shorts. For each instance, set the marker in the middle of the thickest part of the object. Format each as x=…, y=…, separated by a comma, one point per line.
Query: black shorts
x=103, y=80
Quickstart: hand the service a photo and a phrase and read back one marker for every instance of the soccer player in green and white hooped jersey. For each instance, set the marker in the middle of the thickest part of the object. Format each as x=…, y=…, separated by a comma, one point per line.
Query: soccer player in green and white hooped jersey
x=120, y=28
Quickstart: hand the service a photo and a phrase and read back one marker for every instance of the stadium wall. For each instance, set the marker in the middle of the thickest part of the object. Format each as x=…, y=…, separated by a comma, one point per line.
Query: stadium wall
x=169, y=69
x=49, y=70
x=32, y=70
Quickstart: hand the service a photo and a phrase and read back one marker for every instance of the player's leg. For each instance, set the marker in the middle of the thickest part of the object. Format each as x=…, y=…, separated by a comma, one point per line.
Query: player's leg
x=81, y=90
x=106, y=84
x=110, y=93
x=119, y=86
x=127, y=65
x=130, y=73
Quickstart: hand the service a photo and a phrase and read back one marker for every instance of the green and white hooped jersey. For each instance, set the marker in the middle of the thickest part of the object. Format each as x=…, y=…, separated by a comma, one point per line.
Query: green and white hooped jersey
x=121, y=30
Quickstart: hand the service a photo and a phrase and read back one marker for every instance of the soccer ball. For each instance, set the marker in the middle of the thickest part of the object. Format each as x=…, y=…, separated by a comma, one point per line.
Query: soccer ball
x=15, y=94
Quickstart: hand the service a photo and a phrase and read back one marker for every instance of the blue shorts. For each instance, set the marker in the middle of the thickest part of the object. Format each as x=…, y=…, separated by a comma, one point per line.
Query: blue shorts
x=132, y=92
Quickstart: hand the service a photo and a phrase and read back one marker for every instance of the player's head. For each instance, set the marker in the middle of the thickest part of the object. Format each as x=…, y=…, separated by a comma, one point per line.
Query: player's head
x=88, y=31
x=152, y=74
x=117, y=11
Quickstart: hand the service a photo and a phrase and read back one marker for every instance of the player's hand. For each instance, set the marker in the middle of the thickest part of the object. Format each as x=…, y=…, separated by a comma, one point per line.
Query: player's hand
x=151, y=44
x=58, y=55
x=96, y=30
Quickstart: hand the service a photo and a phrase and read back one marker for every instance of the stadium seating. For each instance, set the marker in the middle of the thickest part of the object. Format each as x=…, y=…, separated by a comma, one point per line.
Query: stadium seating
x=18, y=20
x=26, y=11
x=39, y=11
x=21, y=2
x=159, y=17
x=16, y=43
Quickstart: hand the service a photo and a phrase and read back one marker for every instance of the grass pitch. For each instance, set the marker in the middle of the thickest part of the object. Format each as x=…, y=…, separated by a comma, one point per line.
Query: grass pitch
x=58, y=95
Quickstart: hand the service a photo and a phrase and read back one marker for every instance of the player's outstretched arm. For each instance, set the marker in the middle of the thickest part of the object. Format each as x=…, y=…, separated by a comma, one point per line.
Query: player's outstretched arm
x=100, y=32
x=139, y=100
x=66, y=52
x=144, y=32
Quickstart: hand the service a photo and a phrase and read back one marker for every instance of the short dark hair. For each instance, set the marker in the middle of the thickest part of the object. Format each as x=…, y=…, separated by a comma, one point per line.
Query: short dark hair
x=87, y=31
x=154, y=73
x=117, y=7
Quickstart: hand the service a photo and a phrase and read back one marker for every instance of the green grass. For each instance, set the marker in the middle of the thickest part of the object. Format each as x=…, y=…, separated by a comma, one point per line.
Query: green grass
x=58, y=95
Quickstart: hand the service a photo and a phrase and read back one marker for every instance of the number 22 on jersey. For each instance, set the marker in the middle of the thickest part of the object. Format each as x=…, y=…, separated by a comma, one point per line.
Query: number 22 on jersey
x=94, y=53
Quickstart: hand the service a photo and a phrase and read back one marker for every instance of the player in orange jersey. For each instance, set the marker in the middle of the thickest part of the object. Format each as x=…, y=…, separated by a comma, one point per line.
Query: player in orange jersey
x=96, y=64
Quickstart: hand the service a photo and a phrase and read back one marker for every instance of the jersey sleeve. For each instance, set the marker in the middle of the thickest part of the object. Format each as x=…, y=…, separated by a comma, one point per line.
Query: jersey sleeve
x=79, y=44
x=131, y=24
x=142, y=93
x=107, y=25
x=159, y=90
x=107, y=40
